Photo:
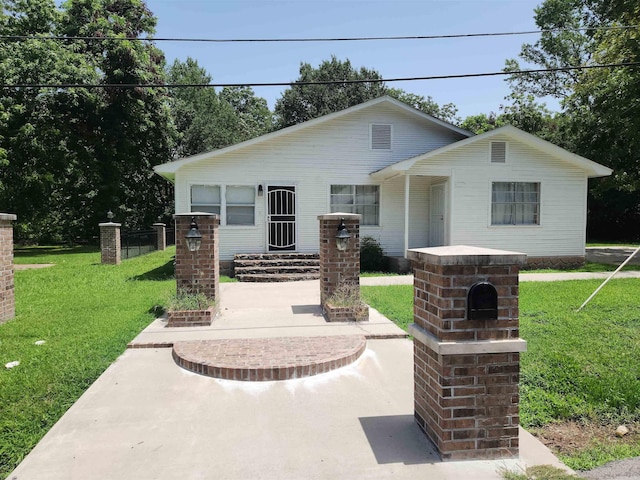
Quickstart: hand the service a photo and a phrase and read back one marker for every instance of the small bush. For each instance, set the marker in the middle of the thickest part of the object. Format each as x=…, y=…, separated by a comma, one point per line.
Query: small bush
x=371, y=255
x=183, y=300
x=346, y=295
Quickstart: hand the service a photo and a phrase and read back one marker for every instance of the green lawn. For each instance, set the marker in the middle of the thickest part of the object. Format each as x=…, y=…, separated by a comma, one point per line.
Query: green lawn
x=86, y=313
x=579, y=366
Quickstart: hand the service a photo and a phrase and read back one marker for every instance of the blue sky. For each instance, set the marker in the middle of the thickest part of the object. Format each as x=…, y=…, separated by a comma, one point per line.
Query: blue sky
x=279, y=62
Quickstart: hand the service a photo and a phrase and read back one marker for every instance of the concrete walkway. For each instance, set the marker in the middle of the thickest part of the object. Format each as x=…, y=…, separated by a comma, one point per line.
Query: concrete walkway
x=146, y=418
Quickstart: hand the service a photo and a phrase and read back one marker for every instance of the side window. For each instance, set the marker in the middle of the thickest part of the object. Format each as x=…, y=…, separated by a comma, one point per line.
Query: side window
x=240, y=203
x=205, y=198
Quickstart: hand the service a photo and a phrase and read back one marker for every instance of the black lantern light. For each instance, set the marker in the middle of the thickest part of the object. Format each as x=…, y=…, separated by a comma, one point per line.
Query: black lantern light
x=194, y=238
x=342, y=238
x=110, y=215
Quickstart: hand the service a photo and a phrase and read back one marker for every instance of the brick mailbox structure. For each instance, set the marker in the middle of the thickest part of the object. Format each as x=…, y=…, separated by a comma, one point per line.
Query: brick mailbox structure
x=340, y=268
x=467, y=350
x=110, y=252
x=7, y=297
x=199, y=271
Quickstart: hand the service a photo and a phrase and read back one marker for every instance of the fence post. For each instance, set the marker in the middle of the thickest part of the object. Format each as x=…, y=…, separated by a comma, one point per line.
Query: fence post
x=161, y=236
x=110, y=243
x=7, y=299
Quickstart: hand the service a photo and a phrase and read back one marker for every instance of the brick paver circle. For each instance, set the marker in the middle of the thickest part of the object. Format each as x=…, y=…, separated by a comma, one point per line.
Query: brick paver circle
x=265, y=359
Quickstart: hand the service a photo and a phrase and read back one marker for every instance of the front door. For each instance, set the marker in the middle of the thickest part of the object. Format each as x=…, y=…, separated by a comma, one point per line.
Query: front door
x=281, y=218
x=436, y=217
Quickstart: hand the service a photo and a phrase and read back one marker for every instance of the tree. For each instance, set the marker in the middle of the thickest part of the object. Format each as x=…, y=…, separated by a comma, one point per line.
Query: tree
x=447, y=112
x=131, y=128
x=300, y=103
x=253, y=115
x=601, y=111
x=203, y=121
x=45, y=161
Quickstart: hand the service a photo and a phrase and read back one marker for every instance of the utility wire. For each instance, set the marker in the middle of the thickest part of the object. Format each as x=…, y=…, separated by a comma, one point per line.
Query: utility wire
x=322, y=82
x=317, y=39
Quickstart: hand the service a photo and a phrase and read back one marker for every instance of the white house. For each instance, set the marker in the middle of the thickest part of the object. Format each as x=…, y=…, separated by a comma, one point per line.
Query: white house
x=416, y=180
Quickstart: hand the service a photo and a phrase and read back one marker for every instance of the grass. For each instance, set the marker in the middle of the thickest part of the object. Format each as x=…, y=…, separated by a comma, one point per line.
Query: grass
x=86, y=313
x=539, y=472
x=588, y=267
x=579, y=366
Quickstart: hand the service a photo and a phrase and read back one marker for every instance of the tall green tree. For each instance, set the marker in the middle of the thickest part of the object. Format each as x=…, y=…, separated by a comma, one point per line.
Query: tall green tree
x=300, y=103
x=252, y=113
x=131, y=128
x=600, y=106
x=45, y=159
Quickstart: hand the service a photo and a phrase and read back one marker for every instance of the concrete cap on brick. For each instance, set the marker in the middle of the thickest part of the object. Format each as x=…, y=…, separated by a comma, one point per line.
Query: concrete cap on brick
x=109, y=224
x=339, y=215
x=465, y=255
x=159, y=224
x=10, y=217
x=196, y=214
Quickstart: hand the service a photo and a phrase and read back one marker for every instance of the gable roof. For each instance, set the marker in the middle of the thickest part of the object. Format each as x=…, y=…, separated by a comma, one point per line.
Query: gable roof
x=169, y=169
x=592, y=168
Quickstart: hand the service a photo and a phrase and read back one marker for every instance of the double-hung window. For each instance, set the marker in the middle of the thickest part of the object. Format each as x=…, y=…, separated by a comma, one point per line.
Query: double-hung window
x=236, y=202
x=362, y=199
x=240, y=201
x=515, y=203
x=205, y=198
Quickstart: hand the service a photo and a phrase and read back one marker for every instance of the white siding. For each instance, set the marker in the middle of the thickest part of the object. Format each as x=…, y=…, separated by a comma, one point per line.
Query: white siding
x=336, y=152
x=562, y=209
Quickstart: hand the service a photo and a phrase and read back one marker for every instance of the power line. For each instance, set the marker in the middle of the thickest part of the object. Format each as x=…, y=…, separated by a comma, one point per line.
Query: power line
x=323, y=82
x=317, y=39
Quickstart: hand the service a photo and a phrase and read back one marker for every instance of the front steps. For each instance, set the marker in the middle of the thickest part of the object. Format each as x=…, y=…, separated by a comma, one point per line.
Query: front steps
x=276, y=267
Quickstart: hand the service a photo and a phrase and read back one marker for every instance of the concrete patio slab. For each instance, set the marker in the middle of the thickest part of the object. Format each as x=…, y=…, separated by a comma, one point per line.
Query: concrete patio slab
x=267, y=310
x=146, y=418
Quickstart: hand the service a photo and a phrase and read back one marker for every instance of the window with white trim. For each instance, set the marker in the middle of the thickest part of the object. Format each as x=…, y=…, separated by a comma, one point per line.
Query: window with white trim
x=240, y=203
x=498, y=152
x=361, y=199
x=205, y=198
x=236, y=201
x=515, y=203
x=380, y=136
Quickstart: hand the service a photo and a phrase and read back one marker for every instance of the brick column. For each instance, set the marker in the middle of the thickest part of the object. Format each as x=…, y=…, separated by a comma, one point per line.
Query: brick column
x=198, y=272
x=338, y=267
x=161, y=236
x=7, y=298
x=466, y=372
x=110, y=243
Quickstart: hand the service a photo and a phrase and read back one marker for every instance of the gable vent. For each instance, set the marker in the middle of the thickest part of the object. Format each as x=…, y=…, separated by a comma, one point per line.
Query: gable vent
x=380, y=137
x=498, y=152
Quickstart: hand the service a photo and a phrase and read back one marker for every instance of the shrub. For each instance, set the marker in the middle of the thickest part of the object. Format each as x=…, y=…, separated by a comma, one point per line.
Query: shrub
x=371, y=255
x=346, y=295
x=184, y=300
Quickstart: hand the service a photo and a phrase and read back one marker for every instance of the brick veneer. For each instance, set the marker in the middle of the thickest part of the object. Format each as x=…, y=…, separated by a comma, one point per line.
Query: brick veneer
x=7, y=297
x=337, y=267
x=110, y=253
x=198, y=272
x=466, y=372
x=161, y=236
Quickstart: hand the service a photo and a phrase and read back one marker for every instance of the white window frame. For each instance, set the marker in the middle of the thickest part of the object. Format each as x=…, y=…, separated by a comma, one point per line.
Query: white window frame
x=226, y=206
x=353, y=205
x=390, y=125
x=191, y=206
x=515, y=225
x=223, y=202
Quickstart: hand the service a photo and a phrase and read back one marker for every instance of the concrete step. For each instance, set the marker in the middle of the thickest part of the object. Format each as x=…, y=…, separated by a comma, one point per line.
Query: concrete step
x=272, y=277
x=275, y=256
x=292, y=262
x=276, y=269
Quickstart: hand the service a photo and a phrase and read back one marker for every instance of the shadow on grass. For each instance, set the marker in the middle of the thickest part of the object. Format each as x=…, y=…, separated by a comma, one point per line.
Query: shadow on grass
x=161, y=273
x=48, y=251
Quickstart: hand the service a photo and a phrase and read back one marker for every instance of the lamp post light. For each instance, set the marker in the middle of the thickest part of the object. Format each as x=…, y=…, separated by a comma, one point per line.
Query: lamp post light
x=110, y=215
x=342, y=237
x=193, y=237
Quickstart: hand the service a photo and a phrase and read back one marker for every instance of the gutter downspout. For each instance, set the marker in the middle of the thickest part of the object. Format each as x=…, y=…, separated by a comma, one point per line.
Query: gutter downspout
x=407, y=184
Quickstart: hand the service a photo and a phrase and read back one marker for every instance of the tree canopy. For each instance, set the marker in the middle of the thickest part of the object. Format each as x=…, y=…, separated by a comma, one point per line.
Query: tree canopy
x=601, y=111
